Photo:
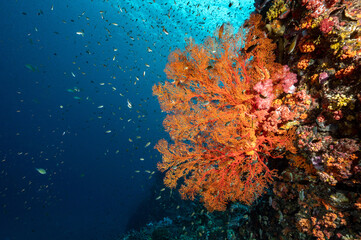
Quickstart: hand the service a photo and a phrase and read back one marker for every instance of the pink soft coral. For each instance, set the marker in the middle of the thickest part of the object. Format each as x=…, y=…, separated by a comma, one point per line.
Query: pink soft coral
x=288, y=80
x=264, y=88
x=266, y=97
x=264, y=103
x=316, y=7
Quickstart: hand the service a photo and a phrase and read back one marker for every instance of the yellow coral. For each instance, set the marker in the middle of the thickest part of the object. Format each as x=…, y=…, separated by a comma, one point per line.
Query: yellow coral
x=339, y=101
x=330, y=159
x=323, y=65
x=315, y=23
x=276, y=9
x=317, y=41
x=314, y=78
x=335, y=47
x=342, y=100
x=277, y=102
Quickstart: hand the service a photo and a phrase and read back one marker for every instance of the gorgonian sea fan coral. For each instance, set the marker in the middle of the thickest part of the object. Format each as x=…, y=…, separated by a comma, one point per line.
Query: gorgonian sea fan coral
x=222, y=131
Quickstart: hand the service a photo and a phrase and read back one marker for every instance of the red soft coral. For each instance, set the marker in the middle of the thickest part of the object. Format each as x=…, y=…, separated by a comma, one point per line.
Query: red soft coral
x=326, y=25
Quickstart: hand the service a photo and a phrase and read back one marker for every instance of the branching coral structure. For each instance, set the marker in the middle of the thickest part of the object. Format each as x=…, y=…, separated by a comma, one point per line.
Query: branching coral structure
x=226, y=103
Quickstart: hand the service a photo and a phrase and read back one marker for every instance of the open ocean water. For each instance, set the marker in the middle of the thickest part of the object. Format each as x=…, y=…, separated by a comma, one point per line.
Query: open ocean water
x=78, y=119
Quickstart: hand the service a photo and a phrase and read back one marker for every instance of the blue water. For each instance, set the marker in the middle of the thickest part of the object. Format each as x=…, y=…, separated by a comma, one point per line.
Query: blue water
x=63, y=91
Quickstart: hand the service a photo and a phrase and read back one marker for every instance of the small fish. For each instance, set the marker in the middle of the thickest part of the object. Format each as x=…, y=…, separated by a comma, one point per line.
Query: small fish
x=147, y=145
x=31, y=67
x=81, y=33
x=158, y=198
x=220, y=31
x=284, y=14
x=205, y=103
x=72, y=74
x=108, y=131
x=141, y=159
x=42, y=171
x=100, y=106
x=251, y=48
x=293, y=45
x=129, y=104
x=165, y=31
x=289, y=125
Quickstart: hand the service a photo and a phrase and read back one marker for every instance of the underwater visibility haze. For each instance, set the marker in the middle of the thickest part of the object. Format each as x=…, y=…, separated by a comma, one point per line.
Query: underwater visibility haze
x=179, y=119
x=79, y=122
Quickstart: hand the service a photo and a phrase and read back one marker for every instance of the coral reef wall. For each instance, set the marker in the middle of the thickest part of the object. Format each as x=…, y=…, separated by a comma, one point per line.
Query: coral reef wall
x=285, y=88
x=318, y=195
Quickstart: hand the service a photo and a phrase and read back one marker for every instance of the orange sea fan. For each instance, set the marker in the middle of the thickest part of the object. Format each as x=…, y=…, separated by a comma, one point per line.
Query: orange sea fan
x=219, y=147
